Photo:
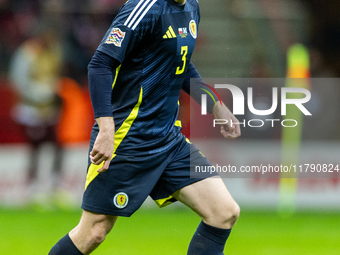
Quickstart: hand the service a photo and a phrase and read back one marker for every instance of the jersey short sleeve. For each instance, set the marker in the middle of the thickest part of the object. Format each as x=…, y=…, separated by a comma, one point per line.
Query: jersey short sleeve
x=135, y=19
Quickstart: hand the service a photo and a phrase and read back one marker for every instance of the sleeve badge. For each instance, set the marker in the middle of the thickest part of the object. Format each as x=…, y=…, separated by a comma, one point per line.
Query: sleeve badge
x=115, y=37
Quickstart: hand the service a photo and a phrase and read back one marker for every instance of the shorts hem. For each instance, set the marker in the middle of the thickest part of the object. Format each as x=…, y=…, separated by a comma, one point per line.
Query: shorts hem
x=105, y=211
x=188, y=182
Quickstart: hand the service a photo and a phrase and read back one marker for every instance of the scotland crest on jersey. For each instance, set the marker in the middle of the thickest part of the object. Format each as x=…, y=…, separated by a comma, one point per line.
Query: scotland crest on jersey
x=193, y=29
x=115, y=37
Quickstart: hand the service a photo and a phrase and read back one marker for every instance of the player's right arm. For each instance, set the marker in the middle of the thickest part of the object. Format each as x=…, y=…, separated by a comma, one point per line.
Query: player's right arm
x=127, y=30
x=100, y=75
x=104, y=145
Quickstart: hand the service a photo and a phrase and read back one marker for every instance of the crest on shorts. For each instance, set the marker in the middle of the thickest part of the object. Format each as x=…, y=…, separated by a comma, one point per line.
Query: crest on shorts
x=121, y=200
x=115, y=37
x=193, y=28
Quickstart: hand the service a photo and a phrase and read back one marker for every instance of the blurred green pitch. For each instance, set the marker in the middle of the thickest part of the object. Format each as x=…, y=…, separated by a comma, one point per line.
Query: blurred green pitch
x=169, y=230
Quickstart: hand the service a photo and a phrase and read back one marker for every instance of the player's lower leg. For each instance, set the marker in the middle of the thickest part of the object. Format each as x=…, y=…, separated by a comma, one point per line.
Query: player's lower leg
x=208, y=240
x=87, y=236
x=211, y=200
x=65, y=246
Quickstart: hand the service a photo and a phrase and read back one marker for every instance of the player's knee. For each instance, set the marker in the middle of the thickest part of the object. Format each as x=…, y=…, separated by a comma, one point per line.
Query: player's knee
x=232, y=215
x=99, y=231
x=227, y=217
x=98, y=235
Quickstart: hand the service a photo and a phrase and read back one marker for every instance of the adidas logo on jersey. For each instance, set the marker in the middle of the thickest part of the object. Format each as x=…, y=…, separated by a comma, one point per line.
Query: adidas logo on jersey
x=169, y=33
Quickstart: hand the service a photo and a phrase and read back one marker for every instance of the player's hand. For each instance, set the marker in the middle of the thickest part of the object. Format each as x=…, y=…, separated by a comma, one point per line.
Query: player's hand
x=228, y=130
x=104, y=145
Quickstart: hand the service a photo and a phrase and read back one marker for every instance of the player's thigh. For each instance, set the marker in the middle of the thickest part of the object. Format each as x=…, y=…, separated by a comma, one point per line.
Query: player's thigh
x=211, y=200
x=93, y=225
x=91, y=219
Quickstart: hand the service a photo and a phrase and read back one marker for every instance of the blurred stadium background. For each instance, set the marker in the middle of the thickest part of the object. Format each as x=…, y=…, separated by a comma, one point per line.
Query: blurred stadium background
x=237, y=39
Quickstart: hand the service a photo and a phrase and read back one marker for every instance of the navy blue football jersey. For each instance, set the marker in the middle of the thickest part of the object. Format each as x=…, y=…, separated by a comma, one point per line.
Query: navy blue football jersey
x=153, y=40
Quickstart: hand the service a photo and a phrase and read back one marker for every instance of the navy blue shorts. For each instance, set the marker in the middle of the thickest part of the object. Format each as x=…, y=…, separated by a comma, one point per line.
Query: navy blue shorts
x=123, y=188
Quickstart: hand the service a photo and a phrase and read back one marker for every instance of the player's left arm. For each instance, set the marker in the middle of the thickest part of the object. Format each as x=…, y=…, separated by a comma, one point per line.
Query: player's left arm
x=198, y=87
x=231, y=129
